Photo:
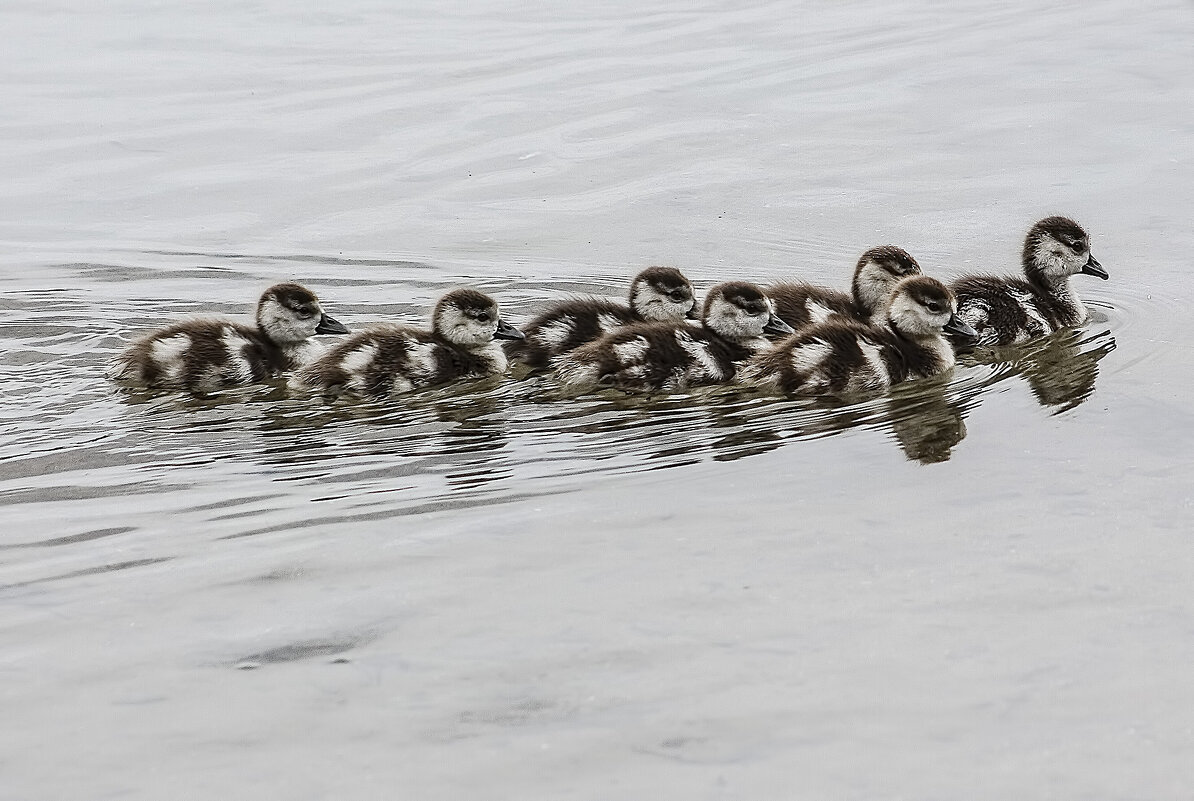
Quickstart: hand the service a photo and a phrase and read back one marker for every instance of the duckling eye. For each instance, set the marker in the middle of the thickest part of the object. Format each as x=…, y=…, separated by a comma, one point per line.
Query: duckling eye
x=1078, y=246
x=935, y=308
x=482, y=317
x=678, y=295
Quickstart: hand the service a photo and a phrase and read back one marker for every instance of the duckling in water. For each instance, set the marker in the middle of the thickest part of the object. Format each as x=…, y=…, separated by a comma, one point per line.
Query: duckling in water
x=389, y=359
x=207, y=354
x=878, y=271
x=658, y=294
x=675, y=355
x=848, y=358
x=1009, y=310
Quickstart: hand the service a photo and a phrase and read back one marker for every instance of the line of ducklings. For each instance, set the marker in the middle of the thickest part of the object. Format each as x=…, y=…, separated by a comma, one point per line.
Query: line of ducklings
x=896, y=324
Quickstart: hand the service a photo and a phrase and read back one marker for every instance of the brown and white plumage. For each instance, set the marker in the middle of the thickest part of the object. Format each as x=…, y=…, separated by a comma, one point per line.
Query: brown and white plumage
x=390, y=359
x=1007, y=310
x=847, y=358
x=659, y=294
x=674, y=356
x=207, y=354
x=876, y=274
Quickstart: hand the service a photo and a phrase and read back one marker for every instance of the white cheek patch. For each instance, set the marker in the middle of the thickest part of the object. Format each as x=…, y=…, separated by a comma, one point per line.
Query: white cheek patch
x=283, y=325
x=1056, y=259
x=732, y=322
x=874, y=287
x=169, y=354
x=653, y=305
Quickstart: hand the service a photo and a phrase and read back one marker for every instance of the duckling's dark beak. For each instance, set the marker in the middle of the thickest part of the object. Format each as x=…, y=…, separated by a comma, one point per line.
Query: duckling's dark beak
x=1092, y=267
x=507, y=331
x=778, y=326
x=329, y=326
x=693, y=314
x=960, y=330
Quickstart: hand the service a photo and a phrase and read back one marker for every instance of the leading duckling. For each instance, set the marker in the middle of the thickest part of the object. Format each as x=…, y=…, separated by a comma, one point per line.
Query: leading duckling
x=675, y=355
x=876, y=274
x=205, y=355
x=848, y=358
x=385, y=360
x=1005, y=311
x=660, y=294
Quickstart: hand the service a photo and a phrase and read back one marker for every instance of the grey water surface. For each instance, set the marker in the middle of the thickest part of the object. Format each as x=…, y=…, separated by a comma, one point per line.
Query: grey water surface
x=978, y=587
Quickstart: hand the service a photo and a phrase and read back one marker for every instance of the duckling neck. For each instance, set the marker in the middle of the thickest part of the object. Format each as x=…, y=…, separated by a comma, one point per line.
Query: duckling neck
x=1056, y=290
x=935, y=344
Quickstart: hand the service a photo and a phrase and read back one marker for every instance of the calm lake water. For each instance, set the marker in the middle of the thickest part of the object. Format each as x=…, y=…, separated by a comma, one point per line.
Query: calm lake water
x=972, y=588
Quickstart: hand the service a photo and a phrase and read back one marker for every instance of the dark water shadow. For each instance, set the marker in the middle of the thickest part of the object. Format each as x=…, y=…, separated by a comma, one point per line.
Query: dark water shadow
x=305, y=649
x=1061, y=370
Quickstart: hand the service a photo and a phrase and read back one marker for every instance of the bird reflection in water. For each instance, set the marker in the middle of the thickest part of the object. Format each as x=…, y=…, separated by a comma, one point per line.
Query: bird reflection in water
x=454, y=433
x=925, y=421
x=1061, y=372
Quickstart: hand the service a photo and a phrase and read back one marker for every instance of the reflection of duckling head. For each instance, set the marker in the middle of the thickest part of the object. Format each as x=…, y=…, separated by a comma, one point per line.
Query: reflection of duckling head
x=926, y=423
x=662, y=294
x=1062, y=375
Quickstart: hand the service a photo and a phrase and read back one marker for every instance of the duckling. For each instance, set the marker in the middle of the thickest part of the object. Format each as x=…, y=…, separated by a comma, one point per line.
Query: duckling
x=844, y=358
x=674, y=355
x=389, y=359
x=878, y=271
x=657, y=293
x=204, y=355
x=1008, y=310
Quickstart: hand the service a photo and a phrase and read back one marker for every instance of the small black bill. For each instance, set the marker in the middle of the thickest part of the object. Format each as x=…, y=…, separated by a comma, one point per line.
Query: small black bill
x=960, y=330
x=327, y=325
x=1092, y=267
x=507, y=331
x=777, y=326
x=693, y=314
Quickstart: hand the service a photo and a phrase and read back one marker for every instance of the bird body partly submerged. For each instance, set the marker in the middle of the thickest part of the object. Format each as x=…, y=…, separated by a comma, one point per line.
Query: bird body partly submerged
x=207, y=354
x=848, y=358
x=660, y=294
x=1006, y=311
x=385, y=360
x=676, y=356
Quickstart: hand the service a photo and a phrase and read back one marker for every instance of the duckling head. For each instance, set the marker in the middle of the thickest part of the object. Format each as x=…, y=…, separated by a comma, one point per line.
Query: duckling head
x=739, y=311
x=878, y=272
x=662, y=293
x=924, y=308
x=1056, y=248
x=290, y=313
x=470, y=319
